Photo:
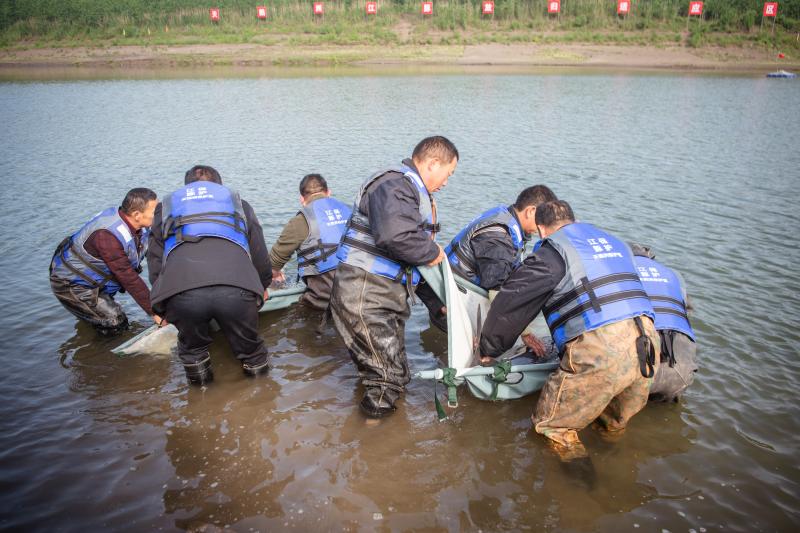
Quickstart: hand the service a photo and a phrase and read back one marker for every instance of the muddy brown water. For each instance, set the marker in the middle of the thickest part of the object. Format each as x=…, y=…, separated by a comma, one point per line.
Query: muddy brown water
x=705, y=169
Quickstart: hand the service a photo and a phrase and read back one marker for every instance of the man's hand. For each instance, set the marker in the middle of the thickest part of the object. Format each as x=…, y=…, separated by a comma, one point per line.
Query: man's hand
x=277, y=276
x=439, y=258
x=536, y=345
x=160, y=322
x=487, y=361
x=266, y=294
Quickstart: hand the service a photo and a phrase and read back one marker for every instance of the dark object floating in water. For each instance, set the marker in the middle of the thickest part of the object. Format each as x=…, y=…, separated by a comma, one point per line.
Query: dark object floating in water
x=781, y=74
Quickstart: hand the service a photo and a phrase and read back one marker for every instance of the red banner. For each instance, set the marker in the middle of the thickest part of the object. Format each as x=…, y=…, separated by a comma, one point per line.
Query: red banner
x=372, y=8
x=770, y=9
x=695, y=9
x=213, y=13
x=488, y=8
x=261, y=12
x=427, y=8
x=554, y=6
x=319, y=8
x=623, y=7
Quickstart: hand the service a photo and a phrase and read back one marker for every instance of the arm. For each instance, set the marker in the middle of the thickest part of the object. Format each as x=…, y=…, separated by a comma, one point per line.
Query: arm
x=494, y=256
x=520, y=299
x=155, y=250
x=393, y=210
x=258, y=248
x=292, y=236
x=113, y=255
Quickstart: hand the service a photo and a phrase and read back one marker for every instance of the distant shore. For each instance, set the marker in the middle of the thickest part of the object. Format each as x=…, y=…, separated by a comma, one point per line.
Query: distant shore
x=15, y=62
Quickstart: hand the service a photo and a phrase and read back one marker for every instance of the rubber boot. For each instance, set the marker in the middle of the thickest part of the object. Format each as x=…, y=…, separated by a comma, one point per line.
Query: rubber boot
x=255, y=370
x=199, y=373
x=377, y=403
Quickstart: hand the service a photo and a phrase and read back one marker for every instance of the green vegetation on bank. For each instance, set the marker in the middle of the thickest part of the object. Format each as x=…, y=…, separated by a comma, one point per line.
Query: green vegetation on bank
x=147, y=22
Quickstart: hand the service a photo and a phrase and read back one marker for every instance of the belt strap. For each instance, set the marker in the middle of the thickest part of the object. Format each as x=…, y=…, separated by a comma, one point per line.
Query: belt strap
x=645, y=350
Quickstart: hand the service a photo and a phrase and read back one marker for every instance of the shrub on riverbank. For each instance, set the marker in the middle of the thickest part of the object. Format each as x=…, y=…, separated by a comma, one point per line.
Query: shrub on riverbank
x=87, y=22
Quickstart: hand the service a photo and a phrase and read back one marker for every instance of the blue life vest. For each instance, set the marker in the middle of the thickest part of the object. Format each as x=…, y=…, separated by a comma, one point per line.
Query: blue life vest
x=326, y=218
x=358, y=246
x=600, y=285
x=203, y=209
x=462, y=256
x=72, y=262
x=665, y=288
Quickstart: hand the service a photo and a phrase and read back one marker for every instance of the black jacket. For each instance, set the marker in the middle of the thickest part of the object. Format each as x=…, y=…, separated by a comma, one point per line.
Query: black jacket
x=210, y=261
x=520, y=299
x=495, y=256
x=392, y=205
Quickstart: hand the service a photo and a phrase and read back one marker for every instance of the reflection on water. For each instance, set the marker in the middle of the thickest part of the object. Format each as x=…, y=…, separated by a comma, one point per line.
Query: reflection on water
x=90, y=441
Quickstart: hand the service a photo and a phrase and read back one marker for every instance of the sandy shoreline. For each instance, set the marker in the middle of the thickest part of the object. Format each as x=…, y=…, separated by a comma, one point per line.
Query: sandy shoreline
x=38, y=62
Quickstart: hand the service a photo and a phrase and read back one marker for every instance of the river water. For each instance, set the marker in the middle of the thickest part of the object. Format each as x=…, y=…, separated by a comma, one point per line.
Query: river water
x=705, y=169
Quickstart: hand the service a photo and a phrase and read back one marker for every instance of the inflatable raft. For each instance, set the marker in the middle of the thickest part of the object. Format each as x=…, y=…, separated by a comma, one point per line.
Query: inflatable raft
x=516, y=373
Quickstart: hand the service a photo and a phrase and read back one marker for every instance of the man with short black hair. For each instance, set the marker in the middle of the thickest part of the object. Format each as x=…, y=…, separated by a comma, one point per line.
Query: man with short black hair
x=105, y=257
x=208, y=260
x=490, y=247
x=314, y=233
x=584, y=281
x=390, y=232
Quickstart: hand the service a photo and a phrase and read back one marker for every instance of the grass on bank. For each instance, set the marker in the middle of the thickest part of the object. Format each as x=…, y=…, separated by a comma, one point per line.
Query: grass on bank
x=69, y=23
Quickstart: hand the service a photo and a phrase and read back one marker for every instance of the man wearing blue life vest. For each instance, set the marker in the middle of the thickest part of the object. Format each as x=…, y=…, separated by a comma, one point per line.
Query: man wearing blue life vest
x=390, y=232
x=490, y=247
x=103, y=258
x=584, y=281
x=314, y=233
x=667, y=293
x=208, y=260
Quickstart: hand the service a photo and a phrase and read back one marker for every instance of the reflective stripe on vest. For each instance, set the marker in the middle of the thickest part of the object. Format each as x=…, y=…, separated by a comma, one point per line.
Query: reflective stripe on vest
x=600, y=285
x=72, y=262
x=667, y=294
x=462, y=256
x=326, y=218
x=358, y=246
x=202, y=209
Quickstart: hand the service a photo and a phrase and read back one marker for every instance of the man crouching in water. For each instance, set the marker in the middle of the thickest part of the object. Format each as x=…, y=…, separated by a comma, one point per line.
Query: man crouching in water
x=390, y=232
x=103, y=258
x=584, y=281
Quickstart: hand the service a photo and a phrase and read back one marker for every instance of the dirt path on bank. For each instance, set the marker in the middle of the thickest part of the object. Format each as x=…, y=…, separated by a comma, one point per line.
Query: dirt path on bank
x=511, y=55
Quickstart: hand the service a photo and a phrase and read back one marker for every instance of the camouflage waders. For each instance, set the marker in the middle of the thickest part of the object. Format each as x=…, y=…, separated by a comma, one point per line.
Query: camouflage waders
x=600, y=378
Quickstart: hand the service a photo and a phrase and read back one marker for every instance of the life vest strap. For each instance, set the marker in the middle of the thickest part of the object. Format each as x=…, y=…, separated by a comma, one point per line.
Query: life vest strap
x=669, y=300
x=601, y=300
x=670, y=311
x=177, y=222
x=584, y=289
x=366, y=247
x=325, y=251
x=93, y=283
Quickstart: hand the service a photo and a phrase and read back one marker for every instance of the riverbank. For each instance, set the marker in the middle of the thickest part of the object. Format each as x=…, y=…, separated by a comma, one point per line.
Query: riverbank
x=15, y=61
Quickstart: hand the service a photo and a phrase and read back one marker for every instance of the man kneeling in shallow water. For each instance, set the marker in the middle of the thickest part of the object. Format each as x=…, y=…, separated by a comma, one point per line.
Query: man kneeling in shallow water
x=584, y=281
